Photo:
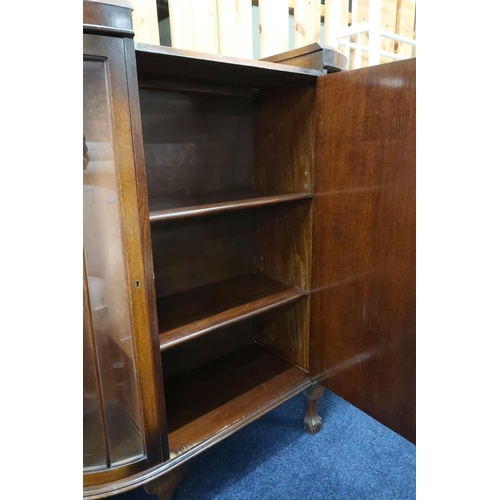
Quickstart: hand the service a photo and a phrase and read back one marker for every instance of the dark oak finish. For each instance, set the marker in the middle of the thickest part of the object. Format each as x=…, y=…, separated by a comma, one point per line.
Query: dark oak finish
x=284, y=131
x=192, y=67
x=247, y=200
x=196, y=143
x=112, y=50
x=189, y=314
x=103, y=18
x=285, y=331
x=312, y=421
x=198, y=140
x=279, y=391
x=165, y=486
x=207, y=400
x=196, y=251
x=268, y=220
x=116, y=54
x=126, y=160
x=198, y=351
x=363, y=289
x=155, y=83
x=193, y=252
x=151, y=361
x=283, y=241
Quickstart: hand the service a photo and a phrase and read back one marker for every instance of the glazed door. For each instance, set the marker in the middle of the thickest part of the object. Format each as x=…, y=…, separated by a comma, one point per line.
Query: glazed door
x=363, y=283
x=122, y=423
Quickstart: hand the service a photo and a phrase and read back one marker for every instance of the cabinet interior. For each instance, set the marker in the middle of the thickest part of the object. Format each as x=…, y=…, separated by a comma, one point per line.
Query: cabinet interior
x=229, y=175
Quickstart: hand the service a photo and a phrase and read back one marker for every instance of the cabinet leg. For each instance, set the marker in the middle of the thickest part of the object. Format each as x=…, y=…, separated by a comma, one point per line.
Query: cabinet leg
x=165, y=486
x=312, y=421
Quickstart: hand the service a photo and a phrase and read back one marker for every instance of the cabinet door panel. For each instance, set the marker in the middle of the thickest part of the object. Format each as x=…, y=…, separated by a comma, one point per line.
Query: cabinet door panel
x=363, y=298
x=120, y=359
x=108, y=290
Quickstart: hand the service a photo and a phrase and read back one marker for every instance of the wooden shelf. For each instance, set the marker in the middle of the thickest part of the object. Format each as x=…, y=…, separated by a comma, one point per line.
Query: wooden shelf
x=192, y=313
x=221, y=396
x=161, y=209
x=155, y=61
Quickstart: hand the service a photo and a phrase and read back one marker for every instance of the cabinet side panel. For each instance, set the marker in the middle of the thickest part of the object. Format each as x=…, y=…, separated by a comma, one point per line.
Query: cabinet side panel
x=285, y=332
x=283, y=132
x=363, y=279
x=283, y=243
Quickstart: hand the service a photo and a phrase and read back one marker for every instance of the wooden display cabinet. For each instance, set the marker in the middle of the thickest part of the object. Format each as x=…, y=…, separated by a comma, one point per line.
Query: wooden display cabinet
x=241, y=230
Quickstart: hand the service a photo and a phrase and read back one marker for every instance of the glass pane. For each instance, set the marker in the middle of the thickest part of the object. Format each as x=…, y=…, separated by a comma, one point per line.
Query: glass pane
x=94, y=454
x=107, y=284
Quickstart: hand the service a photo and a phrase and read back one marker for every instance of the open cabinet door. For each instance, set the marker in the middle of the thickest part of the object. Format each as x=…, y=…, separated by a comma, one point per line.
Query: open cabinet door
x=363, y=282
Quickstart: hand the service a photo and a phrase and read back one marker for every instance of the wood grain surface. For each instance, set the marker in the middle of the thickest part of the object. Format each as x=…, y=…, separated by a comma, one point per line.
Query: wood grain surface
x=196, y=143
x=168, y=63
x=363, y=286
x=284, y=254
x=217, y=202
x=204, y=401
x=117, y=56
x=284, y=142
x=196, y=312
x=193, y=252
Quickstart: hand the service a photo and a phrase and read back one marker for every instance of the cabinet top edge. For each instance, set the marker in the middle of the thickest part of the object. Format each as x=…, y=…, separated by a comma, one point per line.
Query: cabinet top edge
x=109, y=19
x=315, y=55
x=169, y=62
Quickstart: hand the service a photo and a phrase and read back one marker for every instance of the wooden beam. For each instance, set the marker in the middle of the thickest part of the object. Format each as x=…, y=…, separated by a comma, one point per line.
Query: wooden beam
x=145, y=21
x=388, y=23
x=179, y=24
x=235, y=28
x=306, y=22
x=405, y=23
x=273, y=27
x=193, y=25
x=414, y=52
x=359, y=59
x=291, y=5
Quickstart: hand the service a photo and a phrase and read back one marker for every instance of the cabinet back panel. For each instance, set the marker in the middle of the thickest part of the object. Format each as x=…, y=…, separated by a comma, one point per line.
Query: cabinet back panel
x=195, y=252
x=197, y=352
x=196, y=143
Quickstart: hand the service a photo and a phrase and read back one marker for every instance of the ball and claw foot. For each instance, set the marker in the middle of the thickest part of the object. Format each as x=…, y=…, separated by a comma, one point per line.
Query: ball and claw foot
x=312, y=421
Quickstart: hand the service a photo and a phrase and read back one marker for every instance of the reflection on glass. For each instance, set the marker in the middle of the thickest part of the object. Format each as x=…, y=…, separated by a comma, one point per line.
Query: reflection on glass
x=107, y=285
x=94, y=452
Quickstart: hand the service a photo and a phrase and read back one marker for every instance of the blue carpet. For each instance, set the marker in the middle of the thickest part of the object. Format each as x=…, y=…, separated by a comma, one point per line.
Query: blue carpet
x=353, y=457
